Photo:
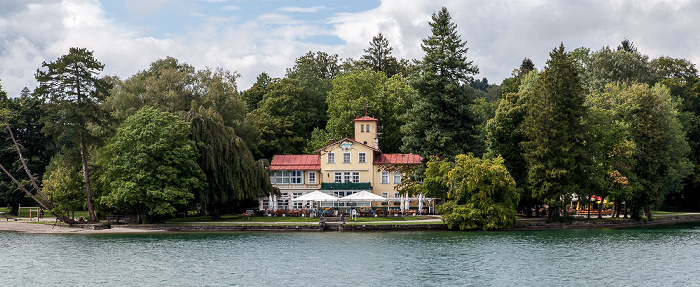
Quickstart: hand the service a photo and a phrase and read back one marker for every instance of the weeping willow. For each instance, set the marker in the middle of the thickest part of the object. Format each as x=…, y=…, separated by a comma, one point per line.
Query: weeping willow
x=232, y=173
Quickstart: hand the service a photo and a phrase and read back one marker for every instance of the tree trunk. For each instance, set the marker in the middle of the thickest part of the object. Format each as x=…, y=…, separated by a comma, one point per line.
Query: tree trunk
x=600, y=207
x=588, y=216
x=86, y=176
x=14, y=209
x=647, y=213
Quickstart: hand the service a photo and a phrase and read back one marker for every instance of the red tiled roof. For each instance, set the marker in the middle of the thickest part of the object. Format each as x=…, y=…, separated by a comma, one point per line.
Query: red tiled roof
x=365, y=118
x=296, y=162
x=397, y=158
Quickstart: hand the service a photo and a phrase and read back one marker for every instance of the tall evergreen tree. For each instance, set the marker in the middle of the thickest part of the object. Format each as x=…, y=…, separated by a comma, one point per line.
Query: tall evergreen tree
x=73, y=94
x=378, y=57
x=555, y=153
x=440, y=121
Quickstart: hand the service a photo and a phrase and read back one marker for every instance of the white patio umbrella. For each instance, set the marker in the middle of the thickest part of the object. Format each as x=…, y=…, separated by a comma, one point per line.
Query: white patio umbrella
x=274, y=202
x=420, y=202
x=363, y=196
x=316, y=196
x=402, y=203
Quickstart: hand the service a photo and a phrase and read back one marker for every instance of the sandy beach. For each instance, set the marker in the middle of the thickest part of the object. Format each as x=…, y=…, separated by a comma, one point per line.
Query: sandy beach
x=46, y=226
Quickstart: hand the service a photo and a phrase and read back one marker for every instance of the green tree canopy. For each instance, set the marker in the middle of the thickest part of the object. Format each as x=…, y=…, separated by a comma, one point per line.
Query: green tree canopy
x=150, y=165
x=73, y=94
x=441, y=122
x=479, y=193
x=661, y=150
x=365, y=91
x=557, y=158
x=232, y=173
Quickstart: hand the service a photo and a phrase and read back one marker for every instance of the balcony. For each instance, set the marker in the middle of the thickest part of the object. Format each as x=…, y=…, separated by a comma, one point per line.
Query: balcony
x=346, y=186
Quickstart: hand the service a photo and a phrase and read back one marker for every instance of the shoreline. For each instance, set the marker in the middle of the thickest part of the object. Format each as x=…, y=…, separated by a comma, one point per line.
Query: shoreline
x=45, y=226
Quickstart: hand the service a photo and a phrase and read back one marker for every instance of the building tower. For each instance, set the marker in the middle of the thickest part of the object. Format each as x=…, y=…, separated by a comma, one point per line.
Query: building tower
x=366, y=131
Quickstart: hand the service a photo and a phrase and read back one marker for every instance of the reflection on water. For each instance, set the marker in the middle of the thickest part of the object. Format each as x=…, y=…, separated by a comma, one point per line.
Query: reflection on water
x=659, y=256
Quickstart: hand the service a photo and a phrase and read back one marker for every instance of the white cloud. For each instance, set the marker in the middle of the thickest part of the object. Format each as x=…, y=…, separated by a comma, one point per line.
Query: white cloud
x=301, y=9
x=499, y=34
x=231, y=8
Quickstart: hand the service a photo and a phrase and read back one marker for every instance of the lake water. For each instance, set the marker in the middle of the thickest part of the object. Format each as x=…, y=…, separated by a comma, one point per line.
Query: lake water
x=664, y=256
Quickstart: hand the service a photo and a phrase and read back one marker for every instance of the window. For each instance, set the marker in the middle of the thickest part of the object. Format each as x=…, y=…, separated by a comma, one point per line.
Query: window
x=397, y=195
x=296, y=177
x=385, y=194
x=362, y=128
x=397, y=177
x=346, y=176
x=338, y=177
x=331, y=157
x=355, y=177
x=346, y=157
x=385, y=177
x=362, y=157
x=286, y=177
x=367, y=128
x=312, y=177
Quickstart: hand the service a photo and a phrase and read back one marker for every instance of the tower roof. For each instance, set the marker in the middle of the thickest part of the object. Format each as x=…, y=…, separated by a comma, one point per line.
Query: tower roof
x=365, y=118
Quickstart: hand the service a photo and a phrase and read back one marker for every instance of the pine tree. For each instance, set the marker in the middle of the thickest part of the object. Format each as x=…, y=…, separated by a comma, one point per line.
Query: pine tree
x=73, y=92
x=440, y=121
x=555, y=153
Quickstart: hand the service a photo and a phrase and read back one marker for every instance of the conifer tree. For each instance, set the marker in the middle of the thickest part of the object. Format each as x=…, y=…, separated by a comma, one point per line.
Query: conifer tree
x=555, y=153
x=440, y=121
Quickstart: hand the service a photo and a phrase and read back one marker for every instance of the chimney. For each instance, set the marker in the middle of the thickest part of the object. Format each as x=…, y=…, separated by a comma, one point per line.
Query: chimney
x=330, y=141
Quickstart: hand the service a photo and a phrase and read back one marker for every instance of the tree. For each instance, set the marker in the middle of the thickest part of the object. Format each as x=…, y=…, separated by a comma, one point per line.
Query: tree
x=24, y=120
x=661, y=151
x=176, y=87
x=62, y=184
x=231, y=171
x=31, y=183
x=150, y=165
x=364, y=91
x=480, y=193
x=620, y=66
x=505, y=135
x=440, y=122
x=256, y=93
x=611, y=148
x=285, y=119
x=378, y=57
x=557, y=160
x=681, y=78
x=73, y=93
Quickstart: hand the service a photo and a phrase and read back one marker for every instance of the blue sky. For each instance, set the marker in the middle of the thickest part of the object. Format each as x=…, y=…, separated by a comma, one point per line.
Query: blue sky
x=251, y=37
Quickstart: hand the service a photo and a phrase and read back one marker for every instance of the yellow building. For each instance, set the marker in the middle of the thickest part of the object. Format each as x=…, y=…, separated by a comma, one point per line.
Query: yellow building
x=342, y=168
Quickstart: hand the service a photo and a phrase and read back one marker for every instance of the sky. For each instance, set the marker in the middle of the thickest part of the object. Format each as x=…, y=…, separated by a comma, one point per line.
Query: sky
x=251, y=37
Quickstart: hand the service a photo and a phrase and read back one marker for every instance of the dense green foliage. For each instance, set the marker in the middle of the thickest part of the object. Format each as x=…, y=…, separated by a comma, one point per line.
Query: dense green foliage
x=440, y=122
x=74, y=93
x=479, y=193
x=232, y=173
x=151, y=165
x=365, y=91
x=557, y=159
